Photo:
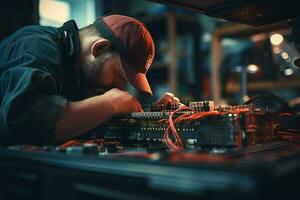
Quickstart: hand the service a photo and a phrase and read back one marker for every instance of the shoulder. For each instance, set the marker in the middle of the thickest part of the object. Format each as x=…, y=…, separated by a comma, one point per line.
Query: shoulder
x=33, y=47
x=28, y=35
x=45, y=48
x=41, y=41
x=36, y=29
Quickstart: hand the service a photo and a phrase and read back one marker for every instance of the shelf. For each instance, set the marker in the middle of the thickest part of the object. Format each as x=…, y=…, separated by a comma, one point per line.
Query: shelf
x=232, y=87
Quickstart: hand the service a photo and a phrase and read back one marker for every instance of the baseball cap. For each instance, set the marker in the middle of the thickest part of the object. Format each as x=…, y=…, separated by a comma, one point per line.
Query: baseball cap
x=133, y=42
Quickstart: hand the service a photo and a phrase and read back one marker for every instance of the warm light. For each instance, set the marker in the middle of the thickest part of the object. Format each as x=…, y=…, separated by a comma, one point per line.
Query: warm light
x=288, y=72
x=276, y=50
x=252, y=68
x=258, y=37
x=54, y=11
x=276, y=39
x=285, y=55
x=246, y=98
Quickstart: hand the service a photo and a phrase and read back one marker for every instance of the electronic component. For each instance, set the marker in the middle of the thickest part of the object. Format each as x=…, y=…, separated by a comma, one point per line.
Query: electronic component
x=202, y=106
x=199, y=125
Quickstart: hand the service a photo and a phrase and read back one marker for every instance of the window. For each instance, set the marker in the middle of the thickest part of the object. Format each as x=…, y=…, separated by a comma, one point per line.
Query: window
x=56, y=12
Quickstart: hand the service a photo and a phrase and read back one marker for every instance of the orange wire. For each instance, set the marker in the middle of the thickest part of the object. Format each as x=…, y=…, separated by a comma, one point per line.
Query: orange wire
x=69, y=143
x=178, y=145
x=172, y=146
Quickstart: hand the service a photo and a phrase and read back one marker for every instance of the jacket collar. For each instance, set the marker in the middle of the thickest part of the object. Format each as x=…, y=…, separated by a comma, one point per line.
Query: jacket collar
x=70, y=45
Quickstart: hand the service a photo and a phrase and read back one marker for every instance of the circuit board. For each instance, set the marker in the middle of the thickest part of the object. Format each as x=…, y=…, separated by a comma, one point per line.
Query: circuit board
x=198, y=125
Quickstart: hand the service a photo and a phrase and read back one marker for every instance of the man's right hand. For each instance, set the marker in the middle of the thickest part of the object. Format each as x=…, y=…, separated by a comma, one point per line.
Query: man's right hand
x=81, y=116
x=122, y=102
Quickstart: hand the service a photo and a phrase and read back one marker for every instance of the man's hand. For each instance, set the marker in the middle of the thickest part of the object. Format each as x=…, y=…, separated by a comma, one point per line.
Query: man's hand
x=167, y=98
x=81, y=116
x=122, y=101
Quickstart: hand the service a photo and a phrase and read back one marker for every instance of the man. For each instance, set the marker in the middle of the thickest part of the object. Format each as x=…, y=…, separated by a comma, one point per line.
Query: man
x=59, y=83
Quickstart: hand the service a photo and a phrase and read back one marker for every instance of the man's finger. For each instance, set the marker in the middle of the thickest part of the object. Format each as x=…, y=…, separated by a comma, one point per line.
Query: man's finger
x=167, y=97
x=176, y=100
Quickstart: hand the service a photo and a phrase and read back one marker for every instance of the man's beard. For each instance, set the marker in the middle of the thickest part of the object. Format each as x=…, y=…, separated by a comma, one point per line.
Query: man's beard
x=89, y=84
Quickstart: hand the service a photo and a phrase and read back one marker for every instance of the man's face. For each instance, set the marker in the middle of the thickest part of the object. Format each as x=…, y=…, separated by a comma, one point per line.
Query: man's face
x=103, y=73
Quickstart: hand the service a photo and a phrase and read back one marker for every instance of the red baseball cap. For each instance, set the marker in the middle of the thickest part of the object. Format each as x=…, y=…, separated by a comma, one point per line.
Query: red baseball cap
x=133, y=42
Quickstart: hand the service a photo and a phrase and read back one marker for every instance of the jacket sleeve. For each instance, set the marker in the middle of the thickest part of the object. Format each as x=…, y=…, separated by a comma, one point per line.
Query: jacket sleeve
x=30, y=106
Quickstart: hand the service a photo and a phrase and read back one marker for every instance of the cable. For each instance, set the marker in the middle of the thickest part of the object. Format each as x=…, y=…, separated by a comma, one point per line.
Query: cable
x=177, y=146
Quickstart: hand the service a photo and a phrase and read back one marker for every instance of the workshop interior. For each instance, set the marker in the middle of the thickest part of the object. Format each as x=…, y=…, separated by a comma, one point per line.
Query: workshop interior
x=234, y=65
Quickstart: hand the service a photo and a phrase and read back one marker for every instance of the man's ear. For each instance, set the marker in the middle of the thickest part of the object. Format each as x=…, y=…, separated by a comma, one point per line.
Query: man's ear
x=99, y=46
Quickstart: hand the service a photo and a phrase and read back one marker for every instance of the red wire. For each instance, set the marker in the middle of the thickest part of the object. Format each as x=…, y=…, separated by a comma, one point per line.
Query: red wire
x=172, y=146
x=178, y=145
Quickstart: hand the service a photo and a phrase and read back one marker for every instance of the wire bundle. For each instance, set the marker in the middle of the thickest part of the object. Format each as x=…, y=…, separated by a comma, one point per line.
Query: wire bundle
x=177, y=145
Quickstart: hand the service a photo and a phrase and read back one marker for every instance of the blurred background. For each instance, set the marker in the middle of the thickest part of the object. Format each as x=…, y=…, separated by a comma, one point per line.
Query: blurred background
x=197, y=57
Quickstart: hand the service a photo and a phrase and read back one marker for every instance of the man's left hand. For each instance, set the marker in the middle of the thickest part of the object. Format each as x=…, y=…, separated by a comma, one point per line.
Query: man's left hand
x=167, y=98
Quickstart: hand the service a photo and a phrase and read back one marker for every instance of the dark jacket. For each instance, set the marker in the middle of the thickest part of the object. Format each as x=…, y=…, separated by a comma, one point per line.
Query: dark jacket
x=36, y=72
